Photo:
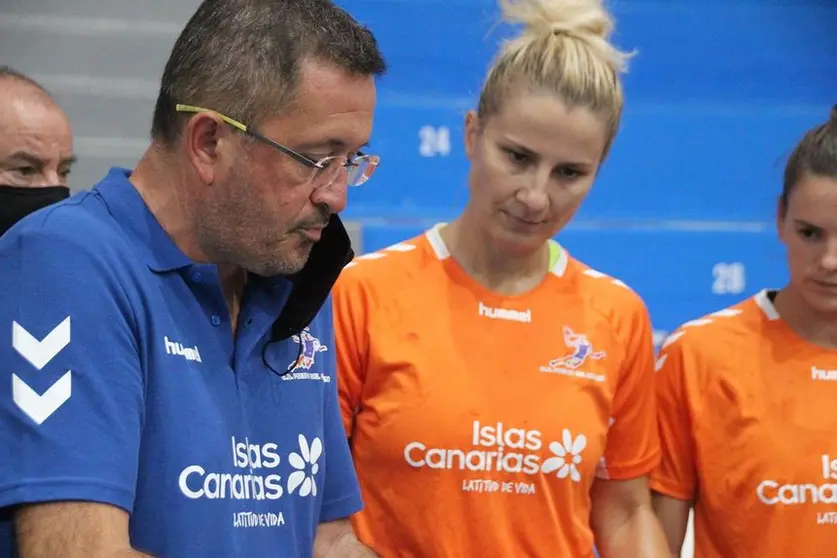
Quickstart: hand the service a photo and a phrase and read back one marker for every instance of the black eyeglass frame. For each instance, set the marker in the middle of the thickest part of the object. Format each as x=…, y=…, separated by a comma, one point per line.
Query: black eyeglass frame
x=360, y=160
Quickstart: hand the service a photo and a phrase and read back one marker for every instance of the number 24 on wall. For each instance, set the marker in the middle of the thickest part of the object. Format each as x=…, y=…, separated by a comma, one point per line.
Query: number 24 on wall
x=434, y=141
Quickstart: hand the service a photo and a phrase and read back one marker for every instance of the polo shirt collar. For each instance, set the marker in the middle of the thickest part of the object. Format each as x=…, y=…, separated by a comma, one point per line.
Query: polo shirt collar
x=132, y=214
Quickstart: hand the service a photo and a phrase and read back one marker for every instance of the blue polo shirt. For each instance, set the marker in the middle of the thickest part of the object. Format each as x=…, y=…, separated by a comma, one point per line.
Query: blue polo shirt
x=121, y=382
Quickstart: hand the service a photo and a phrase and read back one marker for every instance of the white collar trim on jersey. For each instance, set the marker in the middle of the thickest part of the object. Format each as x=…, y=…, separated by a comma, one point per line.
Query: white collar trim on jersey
x=434, y=237
x=436, y=242
x=763, y=301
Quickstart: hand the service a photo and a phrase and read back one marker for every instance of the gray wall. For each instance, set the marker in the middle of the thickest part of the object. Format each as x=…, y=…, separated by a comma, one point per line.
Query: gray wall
x=102, y=60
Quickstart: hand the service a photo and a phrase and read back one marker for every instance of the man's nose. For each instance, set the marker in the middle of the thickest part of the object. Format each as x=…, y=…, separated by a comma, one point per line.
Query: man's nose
x=333, y=195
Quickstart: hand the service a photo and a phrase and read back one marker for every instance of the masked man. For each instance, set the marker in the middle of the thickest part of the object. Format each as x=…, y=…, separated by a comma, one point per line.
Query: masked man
x=36, y=148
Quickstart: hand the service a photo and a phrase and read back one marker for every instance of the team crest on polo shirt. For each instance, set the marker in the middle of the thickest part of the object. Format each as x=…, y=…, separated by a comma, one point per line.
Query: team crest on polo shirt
x=310, y=346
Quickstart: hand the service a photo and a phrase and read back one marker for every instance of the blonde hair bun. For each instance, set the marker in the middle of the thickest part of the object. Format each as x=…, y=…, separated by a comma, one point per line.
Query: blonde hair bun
x=584, y=20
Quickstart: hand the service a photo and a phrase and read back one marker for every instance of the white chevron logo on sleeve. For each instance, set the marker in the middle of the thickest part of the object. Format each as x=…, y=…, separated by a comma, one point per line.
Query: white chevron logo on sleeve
x=40, y=407
x=39, y=353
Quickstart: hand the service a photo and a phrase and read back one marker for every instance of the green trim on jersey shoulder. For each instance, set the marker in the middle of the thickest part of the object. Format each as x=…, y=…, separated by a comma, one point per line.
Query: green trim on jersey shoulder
x=557, y=255
x=554, y=253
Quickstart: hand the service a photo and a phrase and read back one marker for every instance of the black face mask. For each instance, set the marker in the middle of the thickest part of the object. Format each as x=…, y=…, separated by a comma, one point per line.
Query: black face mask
x=16, y=202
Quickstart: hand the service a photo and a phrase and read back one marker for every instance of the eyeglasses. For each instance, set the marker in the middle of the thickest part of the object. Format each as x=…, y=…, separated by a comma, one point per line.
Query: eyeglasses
x=359, y=167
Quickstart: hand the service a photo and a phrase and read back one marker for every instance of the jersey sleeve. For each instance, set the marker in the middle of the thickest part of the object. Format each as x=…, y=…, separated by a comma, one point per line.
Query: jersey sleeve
x=633, y=447
x=71, y=385
x=676, y=474
x=341, y=492
x=351, y=341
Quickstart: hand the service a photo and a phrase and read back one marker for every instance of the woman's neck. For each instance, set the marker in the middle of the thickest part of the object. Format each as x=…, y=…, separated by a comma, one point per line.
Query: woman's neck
x=815, y=327
x=497, y=271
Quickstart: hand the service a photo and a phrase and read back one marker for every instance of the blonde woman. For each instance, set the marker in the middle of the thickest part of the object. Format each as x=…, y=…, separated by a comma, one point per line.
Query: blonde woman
x=498, y=393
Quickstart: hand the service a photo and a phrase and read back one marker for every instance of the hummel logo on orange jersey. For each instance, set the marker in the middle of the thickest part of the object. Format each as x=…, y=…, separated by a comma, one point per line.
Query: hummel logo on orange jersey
x=822, y=374
x=524, y=316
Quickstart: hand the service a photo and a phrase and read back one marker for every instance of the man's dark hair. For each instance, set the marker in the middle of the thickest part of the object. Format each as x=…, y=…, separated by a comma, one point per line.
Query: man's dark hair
x=7, y=72
x=242, y=58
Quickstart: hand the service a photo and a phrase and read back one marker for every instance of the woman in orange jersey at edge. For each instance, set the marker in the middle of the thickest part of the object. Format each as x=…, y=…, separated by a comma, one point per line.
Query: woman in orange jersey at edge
x=746, y=395
x=498, y=394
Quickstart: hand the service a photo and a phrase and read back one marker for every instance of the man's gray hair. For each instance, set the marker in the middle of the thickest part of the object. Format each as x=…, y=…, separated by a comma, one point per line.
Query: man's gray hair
x=242, y=58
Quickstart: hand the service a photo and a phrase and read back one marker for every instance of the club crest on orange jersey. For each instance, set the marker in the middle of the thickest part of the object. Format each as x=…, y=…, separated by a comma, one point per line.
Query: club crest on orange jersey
x=310, y=346
x=581, y=351
x=581, y=348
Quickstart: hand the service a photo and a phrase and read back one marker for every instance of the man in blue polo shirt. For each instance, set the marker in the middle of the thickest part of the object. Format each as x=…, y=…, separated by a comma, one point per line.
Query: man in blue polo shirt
x=166, y=347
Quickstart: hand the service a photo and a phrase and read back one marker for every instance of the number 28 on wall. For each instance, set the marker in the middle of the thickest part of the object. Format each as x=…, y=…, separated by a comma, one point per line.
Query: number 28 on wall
x=729, y=278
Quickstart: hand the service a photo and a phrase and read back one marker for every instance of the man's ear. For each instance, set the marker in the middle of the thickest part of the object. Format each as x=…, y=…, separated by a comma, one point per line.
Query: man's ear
x=201, y=139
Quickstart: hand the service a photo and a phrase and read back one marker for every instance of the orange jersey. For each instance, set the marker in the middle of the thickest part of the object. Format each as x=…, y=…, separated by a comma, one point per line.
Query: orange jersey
x=479, y=421
x=749, y=432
